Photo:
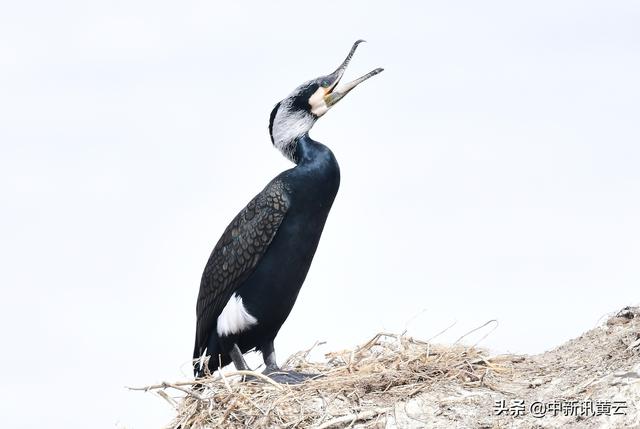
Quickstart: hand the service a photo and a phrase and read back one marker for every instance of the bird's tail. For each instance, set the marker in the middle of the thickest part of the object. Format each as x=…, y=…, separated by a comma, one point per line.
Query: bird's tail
x=213, y=349
x=198, y=367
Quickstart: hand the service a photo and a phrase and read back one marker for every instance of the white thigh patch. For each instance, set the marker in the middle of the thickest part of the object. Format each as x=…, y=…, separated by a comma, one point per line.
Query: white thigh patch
x=234, y=317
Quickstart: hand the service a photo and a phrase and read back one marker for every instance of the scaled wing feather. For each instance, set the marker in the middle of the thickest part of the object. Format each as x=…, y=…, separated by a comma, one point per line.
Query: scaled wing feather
x=236, y=255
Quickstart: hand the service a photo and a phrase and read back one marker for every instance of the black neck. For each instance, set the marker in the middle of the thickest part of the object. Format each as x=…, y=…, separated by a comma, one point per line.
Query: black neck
x=317, y=174
x=317, y=165
x=309, y=151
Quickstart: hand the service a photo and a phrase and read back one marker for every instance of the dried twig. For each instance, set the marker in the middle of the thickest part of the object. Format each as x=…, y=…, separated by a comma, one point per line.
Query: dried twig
x=477, y=329
x=352, y=418
x=177, y=386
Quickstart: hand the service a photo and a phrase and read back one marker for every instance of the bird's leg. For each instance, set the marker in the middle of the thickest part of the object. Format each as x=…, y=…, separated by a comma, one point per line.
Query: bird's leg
x=275, y=373
x=269, y=356
x=237, y=358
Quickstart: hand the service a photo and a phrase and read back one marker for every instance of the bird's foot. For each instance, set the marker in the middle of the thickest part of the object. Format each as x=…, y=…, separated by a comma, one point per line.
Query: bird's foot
x=289, y=377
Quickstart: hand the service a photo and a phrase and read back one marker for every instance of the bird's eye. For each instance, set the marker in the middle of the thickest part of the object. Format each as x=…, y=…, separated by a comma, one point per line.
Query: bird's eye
x=325, y=83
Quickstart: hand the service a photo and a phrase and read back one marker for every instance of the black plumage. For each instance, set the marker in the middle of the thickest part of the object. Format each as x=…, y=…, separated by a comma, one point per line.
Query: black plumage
x=253, y=276
x=234, y=258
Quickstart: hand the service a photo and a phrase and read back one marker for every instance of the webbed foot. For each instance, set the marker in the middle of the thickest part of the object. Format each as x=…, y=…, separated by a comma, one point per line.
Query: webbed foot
x=289, y=377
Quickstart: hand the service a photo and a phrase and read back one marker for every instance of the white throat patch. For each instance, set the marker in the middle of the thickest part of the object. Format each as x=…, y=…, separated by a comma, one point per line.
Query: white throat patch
x=234, y=317
x=288, y=126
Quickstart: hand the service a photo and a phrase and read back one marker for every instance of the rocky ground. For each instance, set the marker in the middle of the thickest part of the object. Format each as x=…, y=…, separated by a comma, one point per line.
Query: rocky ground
x=592, y=381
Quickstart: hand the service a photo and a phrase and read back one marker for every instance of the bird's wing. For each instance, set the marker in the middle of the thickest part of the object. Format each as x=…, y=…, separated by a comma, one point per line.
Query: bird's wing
x=236, y=255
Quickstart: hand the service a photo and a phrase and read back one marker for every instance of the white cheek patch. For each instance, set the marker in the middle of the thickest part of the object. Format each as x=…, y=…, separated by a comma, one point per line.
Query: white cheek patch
x=317, y=103
x=234, y=317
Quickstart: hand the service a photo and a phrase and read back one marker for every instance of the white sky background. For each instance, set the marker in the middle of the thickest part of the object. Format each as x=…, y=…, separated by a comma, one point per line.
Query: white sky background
x=492, y=171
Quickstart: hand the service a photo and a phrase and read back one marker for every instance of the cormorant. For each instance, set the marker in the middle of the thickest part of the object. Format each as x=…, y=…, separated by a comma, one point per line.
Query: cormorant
x=256, y=269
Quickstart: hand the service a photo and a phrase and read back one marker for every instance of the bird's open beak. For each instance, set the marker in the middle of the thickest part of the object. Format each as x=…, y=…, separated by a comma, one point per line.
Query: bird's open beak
x=334, y=94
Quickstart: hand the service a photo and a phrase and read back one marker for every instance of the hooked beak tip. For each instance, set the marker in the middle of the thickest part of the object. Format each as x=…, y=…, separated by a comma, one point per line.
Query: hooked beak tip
x=334, y=94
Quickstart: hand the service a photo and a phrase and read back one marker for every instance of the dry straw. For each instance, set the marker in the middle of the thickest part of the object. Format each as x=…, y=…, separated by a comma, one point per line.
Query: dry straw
x=361, y=385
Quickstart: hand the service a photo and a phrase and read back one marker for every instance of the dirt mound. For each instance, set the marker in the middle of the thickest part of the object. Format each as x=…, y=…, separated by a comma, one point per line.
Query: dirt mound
x=394, y=381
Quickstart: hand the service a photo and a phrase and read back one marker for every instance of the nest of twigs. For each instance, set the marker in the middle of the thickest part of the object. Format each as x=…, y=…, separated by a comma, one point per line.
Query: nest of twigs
x=360, y=385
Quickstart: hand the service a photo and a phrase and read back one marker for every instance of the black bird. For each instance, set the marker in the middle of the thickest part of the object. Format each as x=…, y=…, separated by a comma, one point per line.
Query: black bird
x=256, y=269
